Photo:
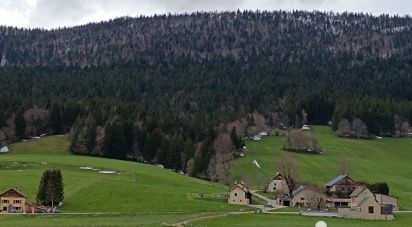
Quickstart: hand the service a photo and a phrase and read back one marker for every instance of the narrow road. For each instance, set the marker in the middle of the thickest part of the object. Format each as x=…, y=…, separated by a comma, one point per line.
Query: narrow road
x=185, y=222
x=268, y=201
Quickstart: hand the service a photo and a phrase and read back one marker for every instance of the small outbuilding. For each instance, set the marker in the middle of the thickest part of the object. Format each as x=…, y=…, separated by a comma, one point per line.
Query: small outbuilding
x=240, y=194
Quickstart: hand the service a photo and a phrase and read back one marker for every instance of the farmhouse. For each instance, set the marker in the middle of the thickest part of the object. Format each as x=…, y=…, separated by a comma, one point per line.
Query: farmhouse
x=308, y=196
x=278, y=185
x=12, y=201
x=365, y=205
x=338, y=191
x=240, y=194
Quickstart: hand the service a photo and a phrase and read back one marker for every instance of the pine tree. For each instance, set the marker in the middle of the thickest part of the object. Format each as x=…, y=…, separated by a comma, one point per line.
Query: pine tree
x=20, y=125
x=55, y=120
x=51, y=188
x=236, y=140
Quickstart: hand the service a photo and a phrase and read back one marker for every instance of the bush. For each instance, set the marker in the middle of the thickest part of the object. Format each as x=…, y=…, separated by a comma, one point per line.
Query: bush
x=303, y=142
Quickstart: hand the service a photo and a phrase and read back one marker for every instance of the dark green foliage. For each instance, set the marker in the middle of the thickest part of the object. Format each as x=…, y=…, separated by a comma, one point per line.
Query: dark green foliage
x=51, y=188
x=379, y=188
x=160, y=101
x=236, y=140
x=20, y=125
x=55, y=120
x=114, y=143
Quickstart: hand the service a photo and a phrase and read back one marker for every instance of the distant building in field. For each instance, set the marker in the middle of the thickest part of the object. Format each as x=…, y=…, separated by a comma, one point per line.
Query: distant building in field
x=240, y=194
x=365, y=205
x=12, y=201
x=278, y=185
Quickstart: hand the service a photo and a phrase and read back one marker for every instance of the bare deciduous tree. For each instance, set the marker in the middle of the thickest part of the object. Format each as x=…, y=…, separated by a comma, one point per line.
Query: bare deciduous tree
x=344, y=167
x=359, y=128
x=302, y=142
x=288, y=168
x=344, y=128
x=225, y=167
x=316, y=197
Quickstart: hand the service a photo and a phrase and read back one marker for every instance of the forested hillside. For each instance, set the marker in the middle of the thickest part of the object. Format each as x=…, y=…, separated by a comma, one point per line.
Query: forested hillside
x=163, y=89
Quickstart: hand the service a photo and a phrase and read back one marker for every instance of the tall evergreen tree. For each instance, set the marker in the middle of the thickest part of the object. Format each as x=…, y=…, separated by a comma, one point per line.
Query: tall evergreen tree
x=236, y=140
x=51, y=188
x=20, y=125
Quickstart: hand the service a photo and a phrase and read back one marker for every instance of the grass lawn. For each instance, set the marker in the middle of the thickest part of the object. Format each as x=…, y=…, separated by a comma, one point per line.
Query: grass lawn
x=403, y=220
x=134, y=188
x=382, y=160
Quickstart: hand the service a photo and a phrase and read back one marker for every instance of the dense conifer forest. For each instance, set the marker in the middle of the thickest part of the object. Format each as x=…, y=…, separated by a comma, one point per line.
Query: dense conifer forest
x=168, y=89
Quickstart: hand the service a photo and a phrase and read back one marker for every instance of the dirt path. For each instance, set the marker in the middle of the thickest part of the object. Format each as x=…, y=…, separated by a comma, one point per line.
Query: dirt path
x=185, y=222
x=269, y=201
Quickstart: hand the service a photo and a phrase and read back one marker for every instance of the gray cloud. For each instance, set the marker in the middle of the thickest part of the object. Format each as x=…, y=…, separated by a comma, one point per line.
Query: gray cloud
x=53, y=13
x=59, y=12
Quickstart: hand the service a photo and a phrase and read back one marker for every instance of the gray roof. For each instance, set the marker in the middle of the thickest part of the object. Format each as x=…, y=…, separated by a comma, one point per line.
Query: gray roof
x=335, y=180
x=298, y=190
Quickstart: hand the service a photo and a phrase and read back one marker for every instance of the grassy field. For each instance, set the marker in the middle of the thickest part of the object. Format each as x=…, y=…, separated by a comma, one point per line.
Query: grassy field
x=148, y=192
x=382, y=160
x=145, y=195
x=284, y=220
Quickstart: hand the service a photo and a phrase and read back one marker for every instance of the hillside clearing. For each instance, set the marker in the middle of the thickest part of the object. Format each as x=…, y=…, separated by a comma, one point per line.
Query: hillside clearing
x=383, y=160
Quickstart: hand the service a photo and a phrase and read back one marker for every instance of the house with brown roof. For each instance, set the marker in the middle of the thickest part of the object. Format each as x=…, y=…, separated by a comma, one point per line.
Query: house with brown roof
x=278, y=185
x=240, y=194
x=338, y=191
x=365, y=205
x=12, y=201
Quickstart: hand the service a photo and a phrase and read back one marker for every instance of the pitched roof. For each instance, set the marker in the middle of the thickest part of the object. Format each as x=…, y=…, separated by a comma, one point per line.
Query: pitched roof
x=242, y=186
x=11, y=190
x=335, y=180
x=299, y=190
x=358, y=191
x=277, y=175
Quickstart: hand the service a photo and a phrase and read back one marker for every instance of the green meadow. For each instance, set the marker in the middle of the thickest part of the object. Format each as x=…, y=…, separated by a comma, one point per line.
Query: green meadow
x=285, y=220
x=145, y=195
x=381, y=160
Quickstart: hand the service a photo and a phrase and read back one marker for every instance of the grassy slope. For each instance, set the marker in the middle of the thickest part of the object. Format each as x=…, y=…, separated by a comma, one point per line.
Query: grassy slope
x=385, y=160
x=137, y=189
x=403, y=220
x=147, y=195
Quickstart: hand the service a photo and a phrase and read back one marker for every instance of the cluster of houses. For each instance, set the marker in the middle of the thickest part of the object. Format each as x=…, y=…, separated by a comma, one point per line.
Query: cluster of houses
x=14, y=201
x=343, y=195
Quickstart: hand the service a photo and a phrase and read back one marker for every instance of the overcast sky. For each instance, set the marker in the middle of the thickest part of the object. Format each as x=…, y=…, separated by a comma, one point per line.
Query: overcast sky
x=58, y=13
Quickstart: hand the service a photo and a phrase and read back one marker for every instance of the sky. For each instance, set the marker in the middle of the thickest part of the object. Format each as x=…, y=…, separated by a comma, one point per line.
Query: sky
x=60, y=13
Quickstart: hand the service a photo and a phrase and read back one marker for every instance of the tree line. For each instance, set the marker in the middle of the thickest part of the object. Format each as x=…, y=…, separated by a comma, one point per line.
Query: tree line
x=168, y=98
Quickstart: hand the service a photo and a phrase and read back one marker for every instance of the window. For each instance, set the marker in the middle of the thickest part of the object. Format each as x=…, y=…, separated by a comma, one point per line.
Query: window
x=4, y=208
x=235, y=194
x=17, y=201
x=387, y=209
x=5, y=201
x=302, y=198
x=370, y=208
x=17, y=208
x=240, y=200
